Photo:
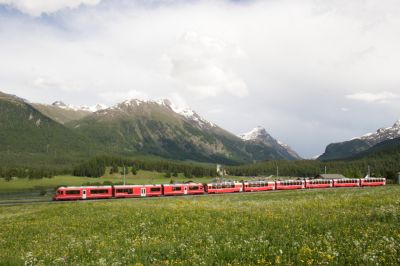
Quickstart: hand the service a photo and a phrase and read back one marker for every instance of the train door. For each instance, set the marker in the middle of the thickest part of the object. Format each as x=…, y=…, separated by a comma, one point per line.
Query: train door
x=143, y=192
x=83, y=193
x=185, y=190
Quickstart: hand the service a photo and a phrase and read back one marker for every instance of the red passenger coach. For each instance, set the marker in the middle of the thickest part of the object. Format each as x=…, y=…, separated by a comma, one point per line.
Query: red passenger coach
x=104, y=192
x=131, y=191
x=68, y=193
x=224, y=187
x=195, y=188
x=174, y=189
x=319, y=183
x=289, y=184
x=183, y=189
x=75, y=193
x=346, y=182
x=259, y=185
x=373, y=181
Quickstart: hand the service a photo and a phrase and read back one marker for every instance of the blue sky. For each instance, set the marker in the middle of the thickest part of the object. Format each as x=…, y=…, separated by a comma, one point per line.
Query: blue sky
x=311, y=72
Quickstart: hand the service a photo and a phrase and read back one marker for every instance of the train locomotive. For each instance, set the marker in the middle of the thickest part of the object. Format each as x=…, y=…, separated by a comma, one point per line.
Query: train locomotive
x=191, y=188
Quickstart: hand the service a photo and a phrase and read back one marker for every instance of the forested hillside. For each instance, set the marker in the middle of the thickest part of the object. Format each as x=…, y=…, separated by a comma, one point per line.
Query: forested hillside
x=29, y=137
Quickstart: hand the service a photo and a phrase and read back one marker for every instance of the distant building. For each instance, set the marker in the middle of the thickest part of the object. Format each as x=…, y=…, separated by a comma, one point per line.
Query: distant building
x=220, y=170
x=329, y=176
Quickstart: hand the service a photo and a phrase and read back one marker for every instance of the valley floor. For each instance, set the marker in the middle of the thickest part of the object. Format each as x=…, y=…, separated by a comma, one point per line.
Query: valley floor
x=357, y=226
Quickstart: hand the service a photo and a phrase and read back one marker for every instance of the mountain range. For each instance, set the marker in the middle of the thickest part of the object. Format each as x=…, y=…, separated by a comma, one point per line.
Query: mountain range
x=60, y=133
x=382, y=139
x=133, y=127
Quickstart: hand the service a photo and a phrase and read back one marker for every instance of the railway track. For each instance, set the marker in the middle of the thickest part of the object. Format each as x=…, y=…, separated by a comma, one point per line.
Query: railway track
x=30, y=201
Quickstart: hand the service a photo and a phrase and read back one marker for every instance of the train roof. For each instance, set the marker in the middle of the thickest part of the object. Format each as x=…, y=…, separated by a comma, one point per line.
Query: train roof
x=182, y=184
x=146, y=185
x=255, y=181
x=76, y=187
x=224, y=182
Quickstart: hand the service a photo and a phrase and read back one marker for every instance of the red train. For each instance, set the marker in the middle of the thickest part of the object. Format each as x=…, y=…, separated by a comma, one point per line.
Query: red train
x=132, y=191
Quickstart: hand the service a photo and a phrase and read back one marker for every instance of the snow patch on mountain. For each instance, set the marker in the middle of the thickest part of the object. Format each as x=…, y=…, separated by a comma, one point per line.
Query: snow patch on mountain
x=257, y=133
x=92, y=109
x=382, y=134
x=188, y=113
x=260, y=134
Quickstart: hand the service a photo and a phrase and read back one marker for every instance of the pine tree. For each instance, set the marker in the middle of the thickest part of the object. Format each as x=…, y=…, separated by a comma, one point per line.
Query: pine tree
x=133, y=170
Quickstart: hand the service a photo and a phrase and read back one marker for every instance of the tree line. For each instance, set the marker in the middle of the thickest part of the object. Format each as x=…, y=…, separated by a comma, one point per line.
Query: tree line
x=383, y=165
x=387, y=167
x=31, y=173
x=96, y=167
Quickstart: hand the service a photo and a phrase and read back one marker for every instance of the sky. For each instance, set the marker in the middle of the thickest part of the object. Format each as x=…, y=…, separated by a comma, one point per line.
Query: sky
x=311, y=72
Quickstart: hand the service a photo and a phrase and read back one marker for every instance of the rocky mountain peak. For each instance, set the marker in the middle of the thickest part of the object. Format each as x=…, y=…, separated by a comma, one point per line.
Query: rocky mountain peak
x=260, y=134
x=188, y=113
x=356, y=145
x=382, y=134
x=59, y=104
x=86, y=108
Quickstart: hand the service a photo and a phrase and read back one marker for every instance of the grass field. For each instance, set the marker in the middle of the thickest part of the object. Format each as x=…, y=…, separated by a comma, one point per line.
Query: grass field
x=334, y=226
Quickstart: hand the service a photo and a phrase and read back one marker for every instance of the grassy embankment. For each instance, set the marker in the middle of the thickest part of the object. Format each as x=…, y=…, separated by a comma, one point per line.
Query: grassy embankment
x=334, y=226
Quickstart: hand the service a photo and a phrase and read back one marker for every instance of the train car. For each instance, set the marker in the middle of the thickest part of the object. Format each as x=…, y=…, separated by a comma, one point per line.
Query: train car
x=319, y=183
x=183, y=189
x=346, y=182
x=195, y=188
x=76, y=193
x=259, y=185
x=132, y=191
x=174, y=189
x=289, y=184
x=372, y=181
x=223, y=187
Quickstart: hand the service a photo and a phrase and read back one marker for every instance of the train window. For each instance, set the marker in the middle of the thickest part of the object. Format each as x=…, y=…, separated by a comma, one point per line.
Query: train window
x=72, y=192
x=193, y=188
x=98, y=191
x=125, y=190
x=176, y=188
x=155, y=189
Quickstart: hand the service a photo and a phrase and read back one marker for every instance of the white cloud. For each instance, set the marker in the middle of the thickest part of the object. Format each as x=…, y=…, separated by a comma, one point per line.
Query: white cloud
x=202, y=65
x=283, y=64
x=378, y=97
x=38, y=7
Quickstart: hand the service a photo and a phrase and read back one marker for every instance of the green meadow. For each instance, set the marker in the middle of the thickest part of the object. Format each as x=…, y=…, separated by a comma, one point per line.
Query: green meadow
x=356, y=226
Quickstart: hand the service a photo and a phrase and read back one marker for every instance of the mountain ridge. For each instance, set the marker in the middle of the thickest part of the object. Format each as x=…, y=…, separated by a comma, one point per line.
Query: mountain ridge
x=26, y=132
x=137, y=124
x=145, y=127
x=350, y=148
x=260, y=134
